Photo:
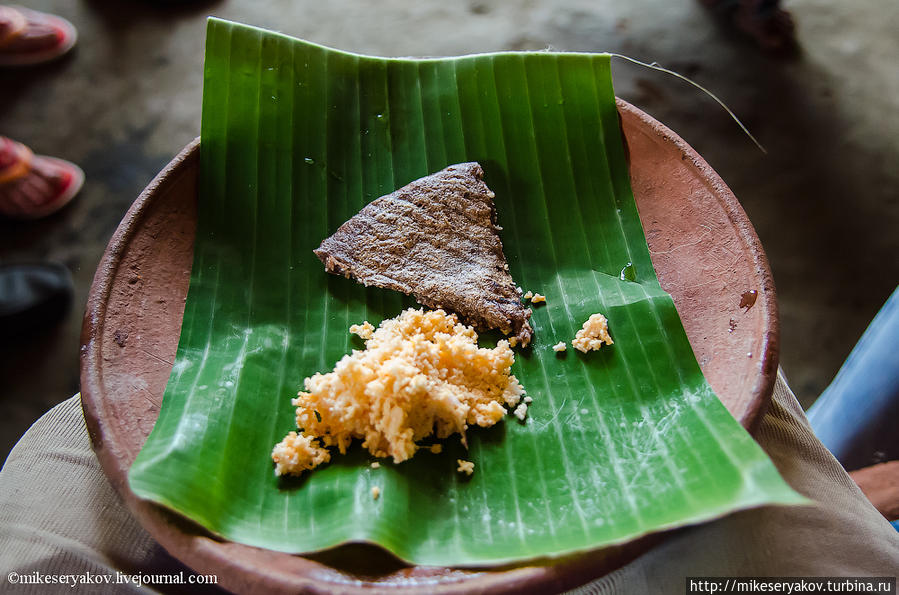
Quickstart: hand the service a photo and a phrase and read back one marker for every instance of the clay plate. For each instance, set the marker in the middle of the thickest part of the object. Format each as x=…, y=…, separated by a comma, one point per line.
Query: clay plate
x=705, y=253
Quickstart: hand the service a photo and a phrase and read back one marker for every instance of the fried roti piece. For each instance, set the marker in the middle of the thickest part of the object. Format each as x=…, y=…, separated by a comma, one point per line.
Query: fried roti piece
x=435, y=239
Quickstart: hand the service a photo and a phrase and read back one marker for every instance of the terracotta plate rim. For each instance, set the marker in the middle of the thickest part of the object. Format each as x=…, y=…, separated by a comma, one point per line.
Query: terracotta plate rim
x=767, y=298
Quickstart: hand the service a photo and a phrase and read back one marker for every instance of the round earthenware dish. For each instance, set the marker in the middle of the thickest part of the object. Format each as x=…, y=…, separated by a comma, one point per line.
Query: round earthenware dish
x=704, y=250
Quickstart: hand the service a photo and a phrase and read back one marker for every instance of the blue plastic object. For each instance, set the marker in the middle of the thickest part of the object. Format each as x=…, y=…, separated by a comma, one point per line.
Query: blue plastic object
x=857, y=416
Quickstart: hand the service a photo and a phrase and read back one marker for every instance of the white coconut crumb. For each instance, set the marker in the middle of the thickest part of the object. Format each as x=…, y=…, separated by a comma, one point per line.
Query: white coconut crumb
x=375, y=465
x=519, y=290
x=593, y=335
x=466, y=467
x=375, y=492
x=528, y=400
x=528, y=295
x=364, y=330
x=538, y=298
x=521, y=411
x=560, y=346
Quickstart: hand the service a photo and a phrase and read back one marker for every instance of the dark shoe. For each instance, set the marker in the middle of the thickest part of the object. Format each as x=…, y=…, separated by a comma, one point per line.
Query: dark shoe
x=33, y=296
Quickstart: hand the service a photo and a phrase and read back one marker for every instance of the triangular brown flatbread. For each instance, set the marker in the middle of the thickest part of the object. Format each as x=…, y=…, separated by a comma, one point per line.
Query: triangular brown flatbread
x=435, y=239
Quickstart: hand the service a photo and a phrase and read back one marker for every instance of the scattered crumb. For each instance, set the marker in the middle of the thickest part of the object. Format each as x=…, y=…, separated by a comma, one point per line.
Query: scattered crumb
x=364, y=330
x=594, y=333
x=528, y=295
x=519, y=290
x=298, y=453
x=521, y=411
x=513, y=341
x=436, y=448
x=528, y=400
x=560, y=346
x=466, y=467
x=421, y=374
x=375, y=465
x=538, y=299
x=375, y=492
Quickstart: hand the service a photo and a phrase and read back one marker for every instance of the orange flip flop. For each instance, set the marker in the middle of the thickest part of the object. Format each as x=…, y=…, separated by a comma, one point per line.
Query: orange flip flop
x=30, y=37
x=34, y=186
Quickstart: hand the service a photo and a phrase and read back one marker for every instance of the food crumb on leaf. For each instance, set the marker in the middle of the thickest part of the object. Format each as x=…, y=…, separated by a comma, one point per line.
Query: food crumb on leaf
x=466, y=467
x=593, y=335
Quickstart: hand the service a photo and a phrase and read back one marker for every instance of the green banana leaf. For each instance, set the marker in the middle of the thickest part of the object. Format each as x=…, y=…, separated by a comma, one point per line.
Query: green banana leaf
x=296, y=138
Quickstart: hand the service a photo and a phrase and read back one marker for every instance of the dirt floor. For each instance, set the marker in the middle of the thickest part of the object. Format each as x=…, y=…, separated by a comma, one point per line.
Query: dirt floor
x=823, y=200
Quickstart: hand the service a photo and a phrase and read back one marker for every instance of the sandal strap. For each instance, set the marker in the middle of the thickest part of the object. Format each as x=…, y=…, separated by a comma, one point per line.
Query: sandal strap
x=19, y=168
x=18, y=21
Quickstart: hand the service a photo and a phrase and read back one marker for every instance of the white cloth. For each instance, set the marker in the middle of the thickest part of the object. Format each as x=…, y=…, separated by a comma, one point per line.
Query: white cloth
x=59, y=515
